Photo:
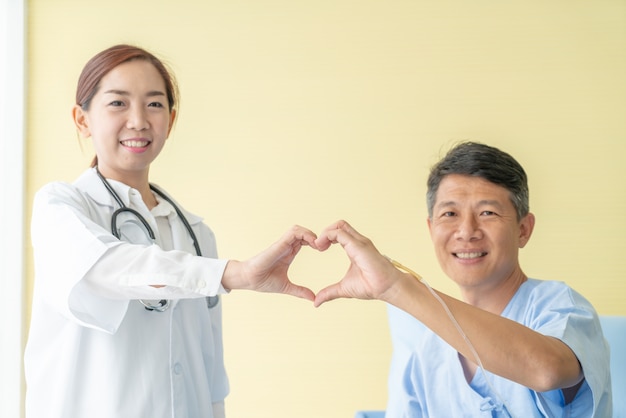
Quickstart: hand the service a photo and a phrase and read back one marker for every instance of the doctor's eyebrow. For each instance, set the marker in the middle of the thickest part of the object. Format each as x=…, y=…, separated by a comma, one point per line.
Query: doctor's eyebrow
x=151, y=93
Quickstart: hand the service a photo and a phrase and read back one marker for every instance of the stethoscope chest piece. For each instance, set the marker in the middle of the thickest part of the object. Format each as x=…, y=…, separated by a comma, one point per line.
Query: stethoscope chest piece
x=159, y=306
x=212, y=301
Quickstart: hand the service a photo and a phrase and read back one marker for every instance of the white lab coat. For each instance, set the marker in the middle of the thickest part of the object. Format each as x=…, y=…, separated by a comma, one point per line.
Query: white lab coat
x=93, y=350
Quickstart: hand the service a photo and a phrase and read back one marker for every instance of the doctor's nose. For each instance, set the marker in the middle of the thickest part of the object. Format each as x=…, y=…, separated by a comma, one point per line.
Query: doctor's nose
x=137, y=119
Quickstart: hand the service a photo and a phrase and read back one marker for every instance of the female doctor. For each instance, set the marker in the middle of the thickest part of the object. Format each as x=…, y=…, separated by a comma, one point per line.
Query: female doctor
x=126, y=317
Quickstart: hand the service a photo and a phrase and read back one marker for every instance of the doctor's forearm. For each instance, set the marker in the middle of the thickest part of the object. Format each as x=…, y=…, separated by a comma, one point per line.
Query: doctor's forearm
x=134, y=272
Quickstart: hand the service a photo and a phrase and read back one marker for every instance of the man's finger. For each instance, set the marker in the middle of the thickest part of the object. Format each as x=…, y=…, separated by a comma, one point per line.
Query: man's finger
x=327, y=294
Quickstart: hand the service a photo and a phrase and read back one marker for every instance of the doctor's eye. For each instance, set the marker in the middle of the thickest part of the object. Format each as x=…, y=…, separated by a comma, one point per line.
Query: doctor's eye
x=116, y=103
x=156, y=104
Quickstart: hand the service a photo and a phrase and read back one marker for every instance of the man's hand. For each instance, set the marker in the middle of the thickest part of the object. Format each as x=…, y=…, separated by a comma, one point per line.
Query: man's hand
x=370, y=275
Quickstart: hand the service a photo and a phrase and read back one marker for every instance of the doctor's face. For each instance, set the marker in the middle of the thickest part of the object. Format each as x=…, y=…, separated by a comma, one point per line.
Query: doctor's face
x=128, y=119
x=476, y=233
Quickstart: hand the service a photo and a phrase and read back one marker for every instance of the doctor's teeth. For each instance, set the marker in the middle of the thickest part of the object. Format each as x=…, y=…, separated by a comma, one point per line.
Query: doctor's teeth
x=135, y=144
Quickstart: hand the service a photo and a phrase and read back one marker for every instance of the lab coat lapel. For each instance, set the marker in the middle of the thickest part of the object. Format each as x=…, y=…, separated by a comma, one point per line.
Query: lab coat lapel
x=90, y=184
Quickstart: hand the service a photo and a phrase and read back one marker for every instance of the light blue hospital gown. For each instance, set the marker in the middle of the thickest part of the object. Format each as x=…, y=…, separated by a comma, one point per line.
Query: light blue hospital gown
x=426, y=378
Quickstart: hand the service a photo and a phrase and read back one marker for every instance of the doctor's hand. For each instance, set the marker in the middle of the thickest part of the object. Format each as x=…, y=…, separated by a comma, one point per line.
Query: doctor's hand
x=370, y=275
x=268, y=270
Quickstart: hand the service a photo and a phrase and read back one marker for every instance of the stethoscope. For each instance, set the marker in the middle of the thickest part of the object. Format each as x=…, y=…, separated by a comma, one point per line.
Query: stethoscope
x=163, y=304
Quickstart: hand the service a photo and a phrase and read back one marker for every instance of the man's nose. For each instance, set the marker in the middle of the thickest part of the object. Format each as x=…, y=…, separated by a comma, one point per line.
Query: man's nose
x=468, y=229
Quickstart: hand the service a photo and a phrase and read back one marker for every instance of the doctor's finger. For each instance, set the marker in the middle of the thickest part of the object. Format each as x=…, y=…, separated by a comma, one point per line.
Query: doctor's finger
x=299, y=291
x=300, y=235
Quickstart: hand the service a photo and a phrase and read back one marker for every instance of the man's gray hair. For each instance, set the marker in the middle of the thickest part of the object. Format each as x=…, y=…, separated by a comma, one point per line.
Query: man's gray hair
x=480, y=160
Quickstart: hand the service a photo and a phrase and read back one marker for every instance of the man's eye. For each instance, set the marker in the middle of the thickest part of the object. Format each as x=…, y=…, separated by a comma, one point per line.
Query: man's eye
x=487, y=213
x=447, y=214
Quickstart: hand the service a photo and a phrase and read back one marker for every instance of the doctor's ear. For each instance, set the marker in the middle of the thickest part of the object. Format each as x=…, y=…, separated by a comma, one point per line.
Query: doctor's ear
x=80, y=120
x=172, y=120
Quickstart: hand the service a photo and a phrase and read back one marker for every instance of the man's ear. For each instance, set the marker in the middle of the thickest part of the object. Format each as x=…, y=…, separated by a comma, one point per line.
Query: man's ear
x=81, y=122
x=526, y=227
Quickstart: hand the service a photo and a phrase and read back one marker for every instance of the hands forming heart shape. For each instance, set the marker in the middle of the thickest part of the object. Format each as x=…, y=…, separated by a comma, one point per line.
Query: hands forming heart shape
x=371, y=275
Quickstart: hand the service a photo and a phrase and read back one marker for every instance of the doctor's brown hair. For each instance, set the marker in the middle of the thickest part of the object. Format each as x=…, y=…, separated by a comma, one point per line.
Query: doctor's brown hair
x=103, y=62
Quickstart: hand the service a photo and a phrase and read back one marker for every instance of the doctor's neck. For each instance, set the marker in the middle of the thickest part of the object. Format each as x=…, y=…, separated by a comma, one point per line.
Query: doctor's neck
x=136, y=179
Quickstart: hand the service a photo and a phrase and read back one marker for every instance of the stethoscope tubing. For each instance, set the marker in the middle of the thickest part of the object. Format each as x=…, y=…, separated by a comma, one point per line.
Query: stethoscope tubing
x=124, y=208
x=163, y=303
x=182, y=218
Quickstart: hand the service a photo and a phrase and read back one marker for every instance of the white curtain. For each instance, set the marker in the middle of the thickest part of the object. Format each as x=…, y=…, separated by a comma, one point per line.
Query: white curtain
x=12, y=183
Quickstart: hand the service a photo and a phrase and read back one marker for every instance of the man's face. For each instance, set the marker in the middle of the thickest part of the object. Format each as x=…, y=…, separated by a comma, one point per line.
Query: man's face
x=475, y=231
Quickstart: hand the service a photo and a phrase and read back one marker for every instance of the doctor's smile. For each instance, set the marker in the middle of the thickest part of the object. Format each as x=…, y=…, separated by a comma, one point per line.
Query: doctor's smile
x=135, y=145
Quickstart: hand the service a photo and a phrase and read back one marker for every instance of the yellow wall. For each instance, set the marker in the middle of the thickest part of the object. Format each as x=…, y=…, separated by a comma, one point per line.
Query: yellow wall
x=313, y=110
